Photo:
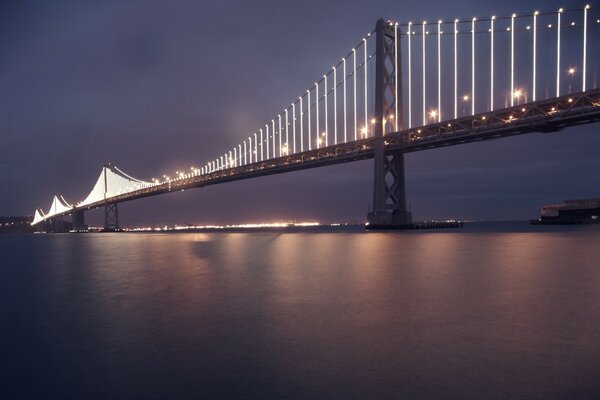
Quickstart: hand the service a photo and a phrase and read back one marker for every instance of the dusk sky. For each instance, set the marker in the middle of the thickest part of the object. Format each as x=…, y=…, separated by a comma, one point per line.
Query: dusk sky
x=156, y=86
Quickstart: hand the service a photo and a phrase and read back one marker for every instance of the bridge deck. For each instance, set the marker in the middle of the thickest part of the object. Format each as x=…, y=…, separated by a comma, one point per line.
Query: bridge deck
x=542, y=116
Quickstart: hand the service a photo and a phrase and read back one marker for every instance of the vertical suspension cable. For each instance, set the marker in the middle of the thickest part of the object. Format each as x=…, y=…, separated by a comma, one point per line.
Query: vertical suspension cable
x=326, y=117
x=345, y=117
x=245, y=152
x=334, y=105
x=261, y=146
x=560, y=10
x=535, y=14
x=473, y=66
x=396, y=96
x=273, y=142
x=309, y=127
x=280, y=131
x=512, y=60
x=354, y=89
x=301, y=125
x=455, y=68
x=294, y=125
x=318, y=132
x=439, y=69
x=409, y=76
x=255, y=148
x=584, y=63
x=492, y=63
x=424, y=75
x=287, y=136
x=365, y=71
x=267, y=134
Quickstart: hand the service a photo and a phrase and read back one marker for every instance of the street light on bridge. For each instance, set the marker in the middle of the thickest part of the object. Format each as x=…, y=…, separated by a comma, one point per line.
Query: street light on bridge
x=571, y=71
x=433, y=114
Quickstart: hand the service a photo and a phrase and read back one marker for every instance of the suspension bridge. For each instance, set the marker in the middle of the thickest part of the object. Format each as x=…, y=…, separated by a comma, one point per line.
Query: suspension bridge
x=404, y=87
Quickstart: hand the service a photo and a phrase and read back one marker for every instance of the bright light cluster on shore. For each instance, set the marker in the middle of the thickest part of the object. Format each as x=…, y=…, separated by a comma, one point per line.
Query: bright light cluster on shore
x=262, y=225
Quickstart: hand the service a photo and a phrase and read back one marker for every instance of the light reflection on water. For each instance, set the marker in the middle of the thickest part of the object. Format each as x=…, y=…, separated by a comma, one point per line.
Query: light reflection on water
x=469, y=314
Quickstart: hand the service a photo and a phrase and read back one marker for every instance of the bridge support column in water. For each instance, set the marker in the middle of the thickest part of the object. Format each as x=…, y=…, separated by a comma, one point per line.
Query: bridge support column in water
x=79, y=221
x=111, y=217
x=389, y=193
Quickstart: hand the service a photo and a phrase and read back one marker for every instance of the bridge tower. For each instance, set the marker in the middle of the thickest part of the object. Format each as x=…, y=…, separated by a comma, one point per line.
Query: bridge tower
x=389, y=190
x=111, y=210
x=79, y=221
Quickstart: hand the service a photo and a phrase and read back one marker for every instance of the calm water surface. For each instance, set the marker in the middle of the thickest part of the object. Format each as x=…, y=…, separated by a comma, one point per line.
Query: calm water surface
x=499, y=311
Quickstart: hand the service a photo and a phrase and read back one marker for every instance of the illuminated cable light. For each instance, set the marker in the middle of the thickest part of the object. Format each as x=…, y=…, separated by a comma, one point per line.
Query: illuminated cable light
x=396, y=94
x=261, y=145
x=492, y=63
x=267, y=135
x=345, y=116
x=512, y=57
x=256, y=147
x=287, y=126
x=273, y=141
x=354, y=89
x=301, y=125
x=534, y=90
x=249, y=149
x=280, y=131
x=365, y=73
x=317, y=106
x=560, y=10
x=439, y=56
x=309, y=126
x=334, y=106
x=584, y=63
x=326, y=117
x=455, y=68
x=409, y=78
x=473, y=66
x=424, y=73
x=294, y=126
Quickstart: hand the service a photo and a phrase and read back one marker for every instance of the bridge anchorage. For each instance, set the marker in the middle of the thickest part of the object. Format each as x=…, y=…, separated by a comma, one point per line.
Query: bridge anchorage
x=351, y=115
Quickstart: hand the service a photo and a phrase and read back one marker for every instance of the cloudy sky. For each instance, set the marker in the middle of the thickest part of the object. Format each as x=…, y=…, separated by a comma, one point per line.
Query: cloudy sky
x=155, y=85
